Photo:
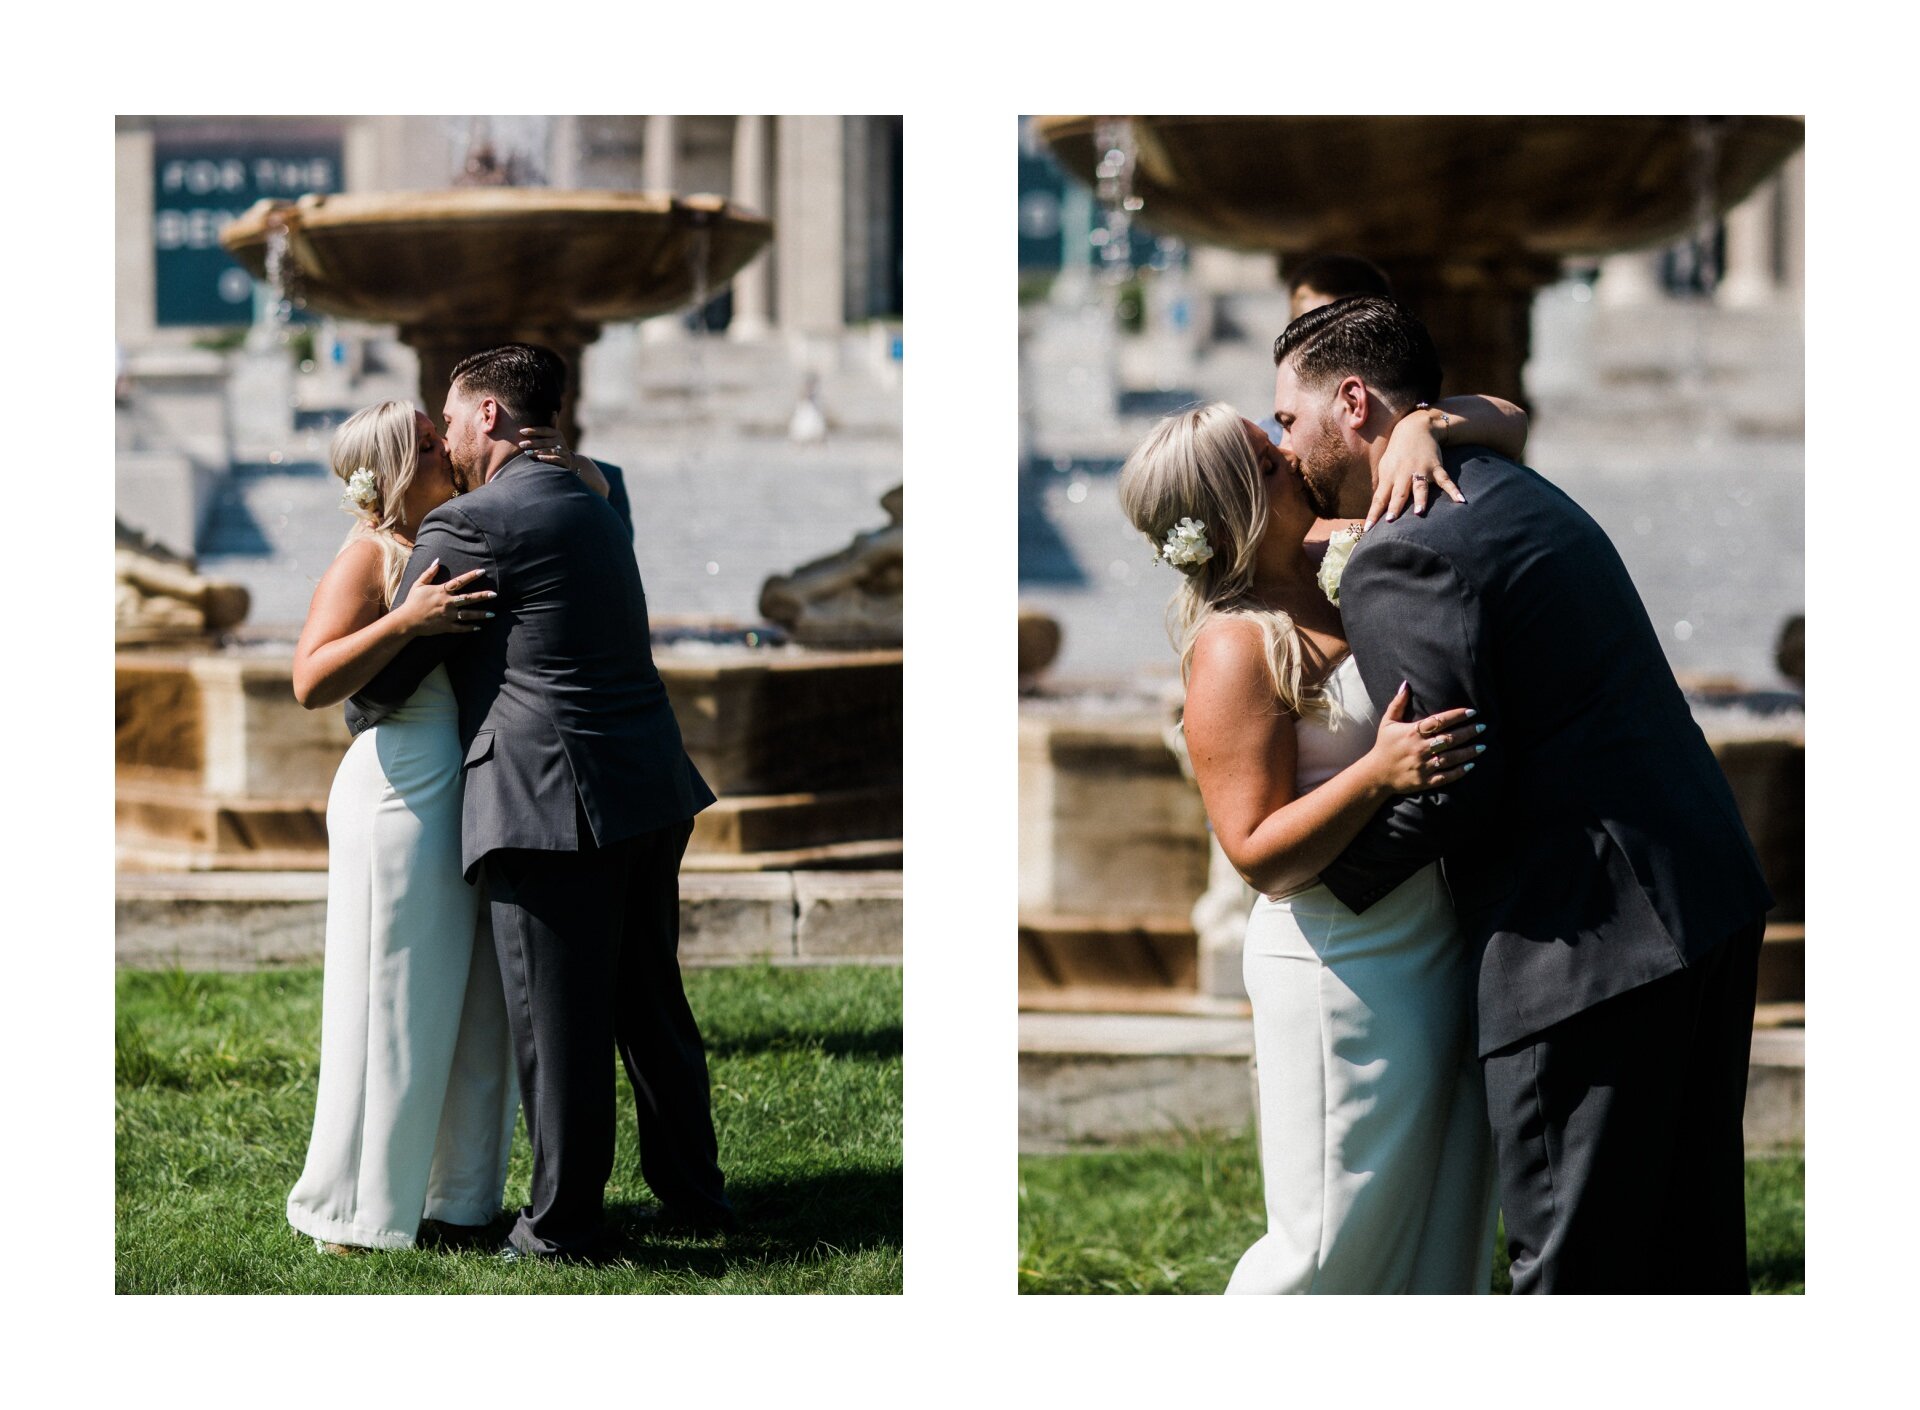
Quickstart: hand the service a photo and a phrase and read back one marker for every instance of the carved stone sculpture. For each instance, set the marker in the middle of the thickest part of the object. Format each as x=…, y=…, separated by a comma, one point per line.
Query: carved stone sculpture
x=158, y=595
x=847, y=599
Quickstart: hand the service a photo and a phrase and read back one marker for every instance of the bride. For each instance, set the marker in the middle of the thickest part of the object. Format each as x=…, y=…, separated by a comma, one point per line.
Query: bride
x=1375, y=1148
x=414, y=1117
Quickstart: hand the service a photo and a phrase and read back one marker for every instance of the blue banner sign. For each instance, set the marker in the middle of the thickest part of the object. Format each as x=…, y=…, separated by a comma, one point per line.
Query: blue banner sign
x=200, y=183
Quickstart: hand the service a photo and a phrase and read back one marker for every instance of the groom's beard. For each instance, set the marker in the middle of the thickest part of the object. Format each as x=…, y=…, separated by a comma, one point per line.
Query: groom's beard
x=1322, y=469
x=467, y=472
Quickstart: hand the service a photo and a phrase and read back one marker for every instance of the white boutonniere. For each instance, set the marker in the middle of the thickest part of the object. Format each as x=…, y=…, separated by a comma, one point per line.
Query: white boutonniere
x=1334, y=565
x=362, y=491
x=1186, y=544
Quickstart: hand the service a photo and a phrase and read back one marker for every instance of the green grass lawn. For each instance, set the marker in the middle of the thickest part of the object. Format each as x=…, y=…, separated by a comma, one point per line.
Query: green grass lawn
x=1175, y=1217
x=214, y=1103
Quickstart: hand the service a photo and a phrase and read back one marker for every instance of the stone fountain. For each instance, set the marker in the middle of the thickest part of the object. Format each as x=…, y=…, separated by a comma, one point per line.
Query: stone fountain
x=1469, y=216
x=218, y=768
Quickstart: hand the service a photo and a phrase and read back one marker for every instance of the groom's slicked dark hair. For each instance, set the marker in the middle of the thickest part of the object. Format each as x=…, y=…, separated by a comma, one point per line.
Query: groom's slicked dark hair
x=1368, y=337
x=530, y=381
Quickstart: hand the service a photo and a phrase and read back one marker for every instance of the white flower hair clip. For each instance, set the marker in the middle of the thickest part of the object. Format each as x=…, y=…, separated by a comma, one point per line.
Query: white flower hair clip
x=1186, y=544
x=361, y=492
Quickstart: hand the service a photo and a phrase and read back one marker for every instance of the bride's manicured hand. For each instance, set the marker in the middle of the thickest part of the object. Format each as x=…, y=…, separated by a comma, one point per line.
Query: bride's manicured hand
x=545, y=443
x=432, y=608
x=1418, y=755
x=1411, y=464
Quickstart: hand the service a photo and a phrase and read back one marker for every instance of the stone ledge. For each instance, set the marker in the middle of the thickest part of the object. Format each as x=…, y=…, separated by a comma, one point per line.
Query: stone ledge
x=256, y=920
x=1089, y=1081
x=843, y=914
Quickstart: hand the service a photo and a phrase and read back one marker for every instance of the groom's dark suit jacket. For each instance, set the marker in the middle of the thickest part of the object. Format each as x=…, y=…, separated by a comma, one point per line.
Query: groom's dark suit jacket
x=562, y=713
x=1596, y=845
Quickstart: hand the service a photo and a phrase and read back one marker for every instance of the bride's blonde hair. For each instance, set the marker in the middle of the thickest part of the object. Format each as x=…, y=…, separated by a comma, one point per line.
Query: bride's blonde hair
x=385, y=440
x=1198, y=464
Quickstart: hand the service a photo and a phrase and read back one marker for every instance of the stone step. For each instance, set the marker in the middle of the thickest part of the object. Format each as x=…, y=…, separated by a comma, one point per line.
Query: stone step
x=1092, y=1080
x=772, y=822
x=1783, y=963
x=873, y=854
x=258, y=920
x=203, y=830
x=1061, y=954
x=174, y=826
x=1133, y=964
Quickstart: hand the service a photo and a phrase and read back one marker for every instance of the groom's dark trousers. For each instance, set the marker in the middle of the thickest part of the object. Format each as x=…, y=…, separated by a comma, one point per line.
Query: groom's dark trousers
x=1598, y=867
x=577, y=801
x=593, y=935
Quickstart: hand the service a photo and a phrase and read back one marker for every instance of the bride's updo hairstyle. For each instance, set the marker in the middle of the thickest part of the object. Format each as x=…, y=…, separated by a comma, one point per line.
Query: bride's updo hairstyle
x=383, y=440
x=1198, y=464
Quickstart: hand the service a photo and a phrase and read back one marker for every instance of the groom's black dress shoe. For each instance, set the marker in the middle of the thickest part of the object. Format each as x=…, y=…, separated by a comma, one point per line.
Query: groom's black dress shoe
x=509, y=1252
x=670, y=1219
x=449, y=1238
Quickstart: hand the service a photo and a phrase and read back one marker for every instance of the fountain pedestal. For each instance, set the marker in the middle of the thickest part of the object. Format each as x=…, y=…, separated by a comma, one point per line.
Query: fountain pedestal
x=441, y=349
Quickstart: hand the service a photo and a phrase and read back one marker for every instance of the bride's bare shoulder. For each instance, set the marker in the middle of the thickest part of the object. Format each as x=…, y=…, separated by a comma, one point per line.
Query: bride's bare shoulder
x=1228, y=640
x=1229, y=658
x=354, y=584
x=360, y=560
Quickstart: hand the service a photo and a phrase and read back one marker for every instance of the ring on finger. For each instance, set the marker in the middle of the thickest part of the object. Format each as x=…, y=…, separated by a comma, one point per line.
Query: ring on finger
x=1439, y=746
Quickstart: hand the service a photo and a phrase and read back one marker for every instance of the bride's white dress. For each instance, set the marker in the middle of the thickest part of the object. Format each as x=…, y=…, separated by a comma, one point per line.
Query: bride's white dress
x=1374, y=1142
x=417, y=1096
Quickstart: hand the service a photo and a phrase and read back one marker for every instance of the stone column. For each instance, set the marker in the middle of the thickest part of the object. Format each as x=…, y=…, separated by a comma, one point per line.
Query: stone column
x=657, y=171
x=810, y=284
x=657, y=156
x=1748, y=280
x=563, y=154
x=133, y=257
x=1793, y=225
x=1630, y=279
x=752, y=286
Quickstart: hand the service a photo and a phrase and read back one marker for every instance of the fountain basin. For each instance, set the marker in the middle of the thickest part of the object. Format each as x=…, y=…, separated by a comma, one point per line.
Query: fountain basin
x=501, y=255
x=218, y=767
x=1467, y=187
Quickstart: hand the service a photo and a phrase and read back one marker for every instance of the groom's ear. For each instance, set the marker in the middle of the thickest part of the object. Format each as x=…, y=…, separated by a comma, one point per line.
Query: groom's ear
x=489, y=414
x=1355, y=402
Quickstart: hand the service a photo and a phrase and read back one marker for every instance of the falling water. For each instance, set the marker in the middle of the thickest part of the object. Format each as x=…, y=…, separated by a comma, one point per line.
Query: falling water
x=1113, y=185
x=280, y=278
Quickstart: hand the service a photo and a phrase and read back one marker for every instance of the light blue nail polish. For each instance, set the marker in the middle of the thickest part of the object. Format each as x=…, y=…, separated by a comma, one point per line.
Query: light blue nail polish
x=1472, y=713
x=1478, y=748
x=1466, y=768
x=1479, y=729
x=491, y=614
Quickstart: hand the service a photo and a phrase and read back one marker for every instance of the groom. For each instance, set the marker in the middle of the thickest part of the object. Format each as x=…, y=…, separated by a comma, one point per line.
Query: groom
x=1596, y=860
x=579, y=800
